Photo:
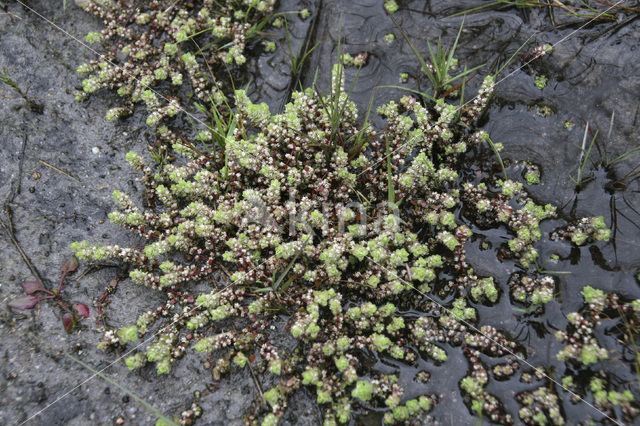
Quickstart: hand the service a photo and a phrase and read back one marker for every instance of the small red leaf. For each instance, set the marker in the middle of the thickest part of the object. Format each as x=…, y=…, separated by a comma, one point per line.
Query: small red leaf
x=70, y=265
x=24, y=302
x=31, y=287
x=81, y=309
x=68, y=322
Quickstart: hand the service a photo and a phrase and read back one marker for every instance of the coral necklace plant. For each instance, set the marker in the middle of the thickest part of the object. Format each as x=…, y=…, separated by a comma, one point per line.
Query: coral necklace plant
x=354, y=235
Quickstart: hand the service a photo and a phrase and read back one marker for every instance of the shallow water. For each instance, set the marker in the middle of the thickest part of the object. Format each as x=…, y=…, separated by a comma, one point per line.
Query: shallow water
x=593, y=75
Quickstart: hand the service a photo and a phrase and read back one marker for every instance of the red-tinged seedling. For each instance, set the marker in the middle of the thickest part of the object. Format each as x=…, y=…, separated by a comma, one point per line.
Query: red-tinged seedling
x=81, y=309
x=31, y=289
x=68, y=321
x=24, y=302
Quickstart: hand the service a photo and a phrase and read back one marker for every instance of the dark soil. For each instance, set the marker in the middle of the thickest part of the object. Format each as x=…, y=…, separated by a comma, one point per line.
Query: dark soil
x=59, y=165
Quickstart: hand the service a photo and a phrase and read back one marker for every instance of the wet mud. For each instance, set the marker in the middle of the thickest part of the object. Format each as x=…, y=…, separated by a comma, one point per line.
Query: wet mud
x=60, y=163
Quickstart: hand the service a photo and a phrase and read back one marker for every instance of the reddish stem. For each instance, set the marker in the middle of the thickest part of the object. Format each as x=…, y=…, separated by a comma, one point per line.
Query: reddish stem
x=64, y=305
x=64, y=274
x=57, y=299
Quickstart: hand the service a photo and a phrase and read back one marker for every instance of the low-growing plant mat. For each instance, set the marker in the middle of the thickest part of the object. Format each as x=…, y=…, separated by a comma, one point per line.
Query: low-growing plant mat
x=436, y=285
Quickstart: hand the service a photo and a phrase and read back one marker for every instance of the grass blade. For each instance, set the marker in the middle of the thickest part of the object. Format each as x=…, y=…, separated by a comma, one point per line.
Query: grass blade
x=391, y=196
x=455, y=44
x=464, y=82
x=475, y=9
x=497, y=154
x=423, y=64
x=514, y=55
x=393, y=86
x=586, y=155
x=276, y=285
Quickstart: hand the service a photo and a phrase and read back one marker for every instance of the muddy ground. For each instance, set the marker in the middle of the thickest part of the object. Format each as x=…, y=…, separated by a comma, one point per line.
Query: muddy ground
x=59, y=166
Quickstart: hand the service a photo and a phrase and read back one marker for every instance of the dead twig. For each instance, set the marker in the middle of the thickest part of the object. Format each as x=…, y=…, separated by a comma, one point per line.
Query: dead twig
x=10, y=232
x=253, y=376
x=552, y=17
x=34, y=106
x=615, y=28
x=564, y=7
x=58, y=170
x=94, y=268
x=630, y=9
x=256, y=382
